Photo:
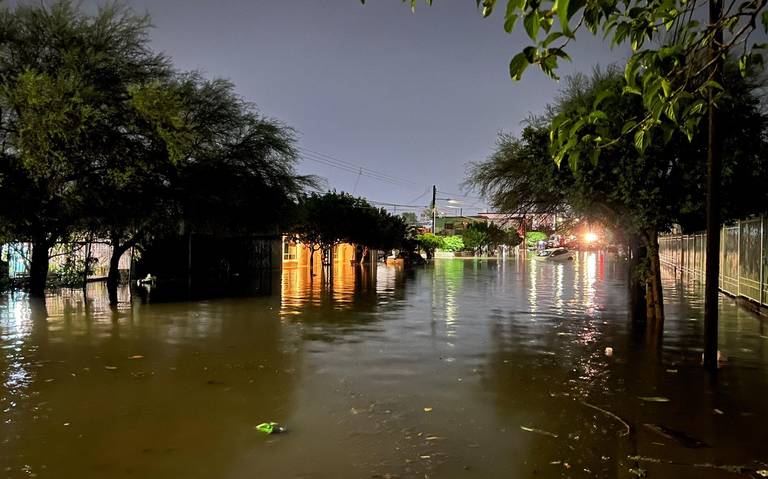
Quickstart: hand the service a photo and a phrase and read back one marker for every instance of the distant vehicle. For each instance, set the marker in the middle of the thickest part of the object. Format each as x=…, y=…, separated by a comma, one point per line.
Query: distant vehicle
x=555, y=254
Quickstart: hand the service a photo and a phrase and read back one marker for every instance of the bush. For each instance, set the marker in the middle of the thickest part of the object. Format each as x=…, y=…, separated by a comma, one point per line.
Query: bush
x=429, y=242
x=533, y=237
x=452, y=243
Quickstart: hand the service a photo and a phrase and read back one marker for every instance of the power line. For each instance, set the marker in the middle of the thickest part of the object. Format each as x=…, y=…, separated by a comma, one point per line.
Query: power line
x=352, y=167
x=348, y=169
x=347, y=163
x=383, y=203
x=426, y=190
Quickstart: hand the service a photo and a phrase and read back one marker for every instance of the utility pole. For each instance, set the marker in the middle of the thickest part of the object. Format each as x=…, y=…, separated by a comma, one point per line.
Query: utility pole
x=434, y=211
x=714, y=166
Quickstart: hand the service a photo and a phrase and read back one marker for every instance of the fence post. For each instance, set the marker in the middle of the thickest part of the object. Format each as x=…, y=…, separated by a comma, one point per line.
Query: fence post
x=762, y=260
x=738, y=258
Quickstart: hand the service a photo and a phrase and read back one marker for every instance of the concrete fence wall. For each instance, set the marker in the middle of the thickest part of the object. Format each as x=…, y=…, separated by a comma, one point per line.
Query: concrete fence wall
x=743, y=257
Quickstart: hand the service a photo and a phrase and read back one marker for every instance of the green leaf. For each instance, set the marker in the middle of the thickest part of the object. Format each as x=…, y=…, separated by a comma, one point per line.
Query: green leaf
x=594, y=155
x=640, y=141
x=573, y=160
x=597, y=115
x=558, y=52
x=630, y=71
x=551, y=38
x=671, y=111
x=712, y=84
x=510, y=17
x=600, y=97
x=488, y=7
x=531, y=54
x=632, y=90
x=666, y=87
x=628, y=126
x=531, y=24
x=743, y=65
x=576, y=127
x=764, y=18
x=509, y=22
x=562, y=12
x=694, y=108
x=517, y=66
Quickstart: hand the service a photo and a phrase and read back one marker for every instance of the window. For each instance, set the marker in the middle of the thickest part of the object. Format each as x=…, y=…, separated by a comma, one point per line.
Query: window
x=289, y=250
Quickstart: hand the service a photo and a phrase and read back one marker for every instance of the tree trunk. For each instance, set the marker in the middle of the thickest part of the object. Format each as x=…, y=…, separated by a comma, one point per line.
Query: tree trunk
x=637, y=297
x=714, y=151
x=311, y=260
x=86, y=268
x=113, y=278
x=650, y=311
x=658, y=293
x=38, y=268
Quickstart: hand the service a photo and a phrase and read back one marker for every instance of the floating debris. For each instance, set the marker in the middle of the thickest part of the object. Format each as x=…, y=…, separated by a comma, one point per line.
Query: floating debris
x=609, y=413
x=638, y=472
x=538, y=431
x=270, y=428
x=653, y=398
x=136, y=356
x=110, y=368
x=427, y=409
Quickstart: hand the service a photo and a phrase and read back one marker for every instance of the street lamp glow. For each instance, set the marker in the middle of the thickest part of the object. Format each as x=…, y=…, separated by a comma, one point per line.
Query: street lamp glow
x=590, y=237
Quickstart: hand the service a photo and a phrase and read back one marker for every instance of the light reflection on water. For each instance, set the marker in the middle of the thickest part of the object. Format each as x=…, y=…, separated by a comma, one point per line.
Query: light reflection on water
x=430, y=372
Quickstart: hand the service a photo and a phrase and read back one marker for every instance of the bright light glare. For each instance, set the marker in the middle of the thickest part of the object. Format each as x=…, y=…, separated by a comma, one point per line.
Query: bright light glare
x=590, y=237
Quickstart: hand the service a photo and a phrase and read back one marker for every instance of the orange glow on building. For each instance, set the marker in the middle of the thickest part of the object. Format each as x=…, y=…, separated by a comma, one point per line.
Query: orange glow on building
x=296, y=254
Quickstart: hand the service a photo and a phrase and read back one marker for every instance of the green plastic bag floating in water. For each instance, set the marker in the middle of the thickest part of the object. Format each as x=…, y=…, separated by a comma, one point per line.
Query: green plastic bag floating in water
x=270, y=428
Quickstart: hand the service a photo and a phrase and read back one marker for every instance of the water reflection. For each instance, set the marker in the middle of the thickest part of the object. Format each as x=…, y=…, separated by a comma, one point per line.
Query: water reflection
x=379, y=373
x=145, y=390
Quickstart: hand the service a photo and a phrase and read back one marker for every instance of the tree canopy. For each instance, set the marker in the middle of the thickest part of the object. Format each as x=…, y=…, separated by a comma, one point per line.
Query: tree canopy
x=100, y=136
x=325, y=220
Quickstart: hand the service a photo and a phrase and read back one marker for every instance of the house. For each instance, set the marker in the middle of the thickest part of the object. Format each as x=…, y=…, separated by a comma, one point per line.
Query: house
x=455, y=225
x=297, y=254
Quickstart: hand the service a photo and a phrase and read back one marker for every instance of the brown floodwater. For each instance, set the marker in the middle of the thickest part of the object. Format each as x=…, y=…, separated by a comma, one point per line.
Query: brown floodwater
x=461, y=369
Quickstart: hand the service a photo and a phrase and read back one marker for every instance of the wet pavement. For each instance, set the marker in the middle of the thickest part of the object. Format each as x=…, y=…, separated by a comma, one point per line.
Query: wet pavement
x=461, y=369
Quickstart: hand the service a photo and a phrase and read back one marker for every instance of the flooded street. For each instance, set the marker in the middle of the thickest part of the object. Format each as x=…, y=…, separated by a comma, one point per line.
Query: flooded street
x=461, y=369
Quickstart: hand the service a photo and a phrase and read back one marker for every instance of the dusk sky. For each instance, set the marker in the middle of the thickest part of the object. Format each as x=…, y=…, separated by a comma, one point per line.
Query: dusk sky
x=411, y=96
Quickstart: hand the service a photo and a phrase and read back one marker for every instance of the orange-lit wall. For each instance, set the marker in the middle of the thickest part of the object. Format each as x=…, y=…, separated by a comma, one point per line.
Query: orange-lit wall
x=343, y=253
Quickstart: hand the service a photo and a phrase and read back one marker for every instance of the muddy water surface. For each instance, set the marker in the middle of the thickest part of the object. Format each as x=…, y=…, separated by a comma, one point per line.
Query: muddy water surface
x=462, y=369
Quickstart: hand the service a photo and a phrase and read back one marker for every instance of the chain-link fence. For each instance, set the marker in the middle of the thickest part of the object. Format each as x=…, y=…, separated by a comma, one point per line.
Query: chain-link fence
x=743, y=257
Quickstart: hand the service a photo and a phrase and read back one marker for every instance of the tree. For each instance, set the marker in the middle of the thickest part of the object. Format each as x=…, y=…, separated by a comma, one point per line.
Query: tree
x=676, y=79
x=332, y=218
x=409, y=217
x=532, y=238
x=429, y=242
x=65, y=80
x=476, y=237
x=642, y=193
x=498, y=236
